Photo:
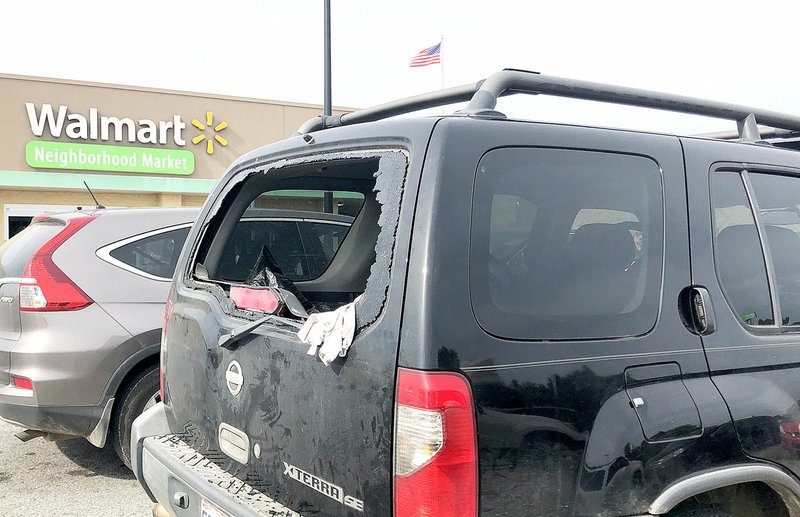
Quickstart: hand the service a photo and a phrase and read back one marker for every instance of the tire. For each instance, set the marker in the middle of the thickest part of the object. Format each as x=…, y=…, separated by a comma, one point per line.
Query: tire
x=138, y=394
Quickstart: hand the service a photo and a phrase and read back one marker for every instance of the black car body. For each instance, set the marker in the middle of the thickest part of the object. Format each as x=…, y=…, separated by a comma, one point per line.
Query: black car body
x=549, y=320
x=85, y=362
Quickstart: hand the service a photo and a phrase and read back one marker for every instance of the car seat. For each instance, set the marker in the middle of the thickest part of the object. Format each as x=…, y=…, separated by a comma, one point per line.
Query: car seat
x=600, y=270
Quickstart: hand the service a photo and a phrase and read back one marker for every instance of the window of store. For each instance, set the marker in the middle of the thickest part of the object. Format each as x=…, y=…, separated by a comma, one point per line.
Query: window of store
x=17, y=217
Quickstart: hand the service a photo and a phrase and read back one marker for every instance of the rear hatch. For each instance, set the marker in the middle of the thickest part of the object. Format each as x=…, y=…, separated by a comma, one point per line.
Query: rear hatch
x=247, y=393
x=14, y=255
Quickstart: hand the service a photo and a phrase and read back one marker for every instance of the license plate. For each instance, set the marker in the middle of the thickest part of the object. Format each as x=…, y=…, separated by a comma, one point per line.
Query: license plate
x=209, y=510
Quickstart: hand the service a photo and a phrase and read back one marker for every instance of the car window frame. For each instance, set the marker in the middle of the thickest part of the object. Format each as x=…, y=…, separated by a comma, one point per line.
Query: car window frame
x=661, y=257
x=744, y=171
x=104, y=253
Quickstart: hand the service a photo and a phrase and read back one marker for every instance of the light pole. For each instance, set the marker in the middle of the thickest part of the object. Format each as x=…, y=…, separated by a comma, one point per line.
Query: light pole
x=327, y=201
x=326, y=108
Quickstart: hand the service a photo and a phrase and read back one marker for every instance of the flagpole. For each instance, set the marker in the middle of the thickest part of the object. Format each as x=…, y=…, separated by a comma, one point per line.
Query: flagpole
x=441, y=56
x=441, y=61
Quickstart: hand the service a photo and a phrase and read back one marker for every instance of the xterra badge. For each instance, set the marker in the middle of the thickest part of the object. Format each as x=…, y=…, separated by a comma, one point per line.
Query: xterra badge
x=323, y=487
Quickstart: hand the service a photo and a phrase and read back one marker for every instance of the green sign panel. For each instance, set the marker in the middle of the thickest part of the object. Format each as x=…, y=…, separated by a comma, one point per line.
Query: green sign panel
x=117, y=158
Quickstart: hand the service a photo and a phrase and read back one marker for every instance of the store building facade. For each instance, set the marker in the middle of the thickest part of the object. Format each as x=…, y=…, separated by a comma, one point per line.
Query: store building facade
x=132, y=146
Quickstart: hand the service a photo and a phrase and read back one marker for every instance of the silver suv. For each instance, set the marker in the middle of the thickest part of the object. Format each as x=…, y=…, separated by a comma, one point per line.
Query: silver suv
x=82, y=298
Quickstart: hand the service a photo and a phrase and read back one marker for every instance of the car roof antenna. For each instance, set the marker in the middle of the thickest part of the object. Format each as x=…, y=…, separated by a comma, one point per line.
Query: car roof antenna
x=96, y=202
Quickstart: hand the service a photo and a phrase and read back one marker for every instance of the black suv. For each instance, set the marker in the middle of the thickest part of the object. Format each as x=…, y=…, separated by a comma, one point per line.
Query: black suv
x=546, y=319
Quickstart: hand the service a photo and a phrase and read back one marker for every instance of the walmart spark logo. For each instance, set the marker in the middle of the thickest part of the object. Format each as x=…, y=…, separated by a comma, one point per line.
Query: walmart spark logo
x=210, y=124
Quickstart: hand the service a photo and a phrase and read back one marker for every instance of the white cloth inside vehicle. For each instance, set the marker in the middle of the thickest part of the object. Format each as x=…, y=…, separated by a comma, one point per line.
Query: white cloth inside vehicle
x=330, y=334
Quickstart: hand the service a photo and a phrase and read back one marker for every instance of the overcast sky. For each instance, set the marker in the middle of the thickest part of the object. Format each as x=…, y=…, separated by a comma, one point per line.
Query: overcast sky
x=730, y=51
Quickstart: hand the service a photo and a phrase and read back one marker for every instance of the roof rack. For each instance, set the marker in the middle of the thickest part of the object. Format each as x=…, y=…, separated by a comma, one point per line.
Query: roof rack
x=483, y=96
x=766, y=133
x=435, y=99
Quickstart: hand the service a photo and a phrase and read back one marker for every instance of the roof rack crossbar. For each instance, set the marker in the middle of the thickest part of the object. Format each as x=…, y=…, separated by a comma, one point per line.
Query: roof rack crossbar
x=765, y=132
x=435, y=99
x=531, y=82
x=482, y=97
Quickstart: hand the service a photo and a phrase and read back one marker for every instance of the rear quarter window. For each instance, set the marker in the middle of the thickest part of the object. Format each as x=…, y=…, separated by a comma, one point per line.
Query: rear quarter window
x=155, y=254
x=566, y=244
x=778, y=198
x=738, y=254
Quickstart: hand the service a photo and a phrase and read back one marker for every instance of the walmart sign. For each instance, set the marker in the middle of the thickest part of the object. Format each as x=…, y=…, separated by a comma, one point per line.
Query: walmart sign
x=79, y=128
x=89, y=157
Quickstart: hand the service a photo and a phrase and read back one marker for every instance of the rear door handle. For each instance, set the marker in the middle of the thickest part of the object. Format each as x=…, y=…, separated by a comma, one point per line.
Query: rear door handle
x=702, y=311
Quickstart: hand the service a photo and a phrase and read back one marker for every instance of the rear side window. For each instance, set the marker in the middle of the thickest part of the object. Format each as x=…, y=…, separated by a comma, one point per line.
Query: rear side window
x=154, y=255
x=566, y=244
x=778, y=200
x=17, y=251
x=739, y=259
x=757, y=245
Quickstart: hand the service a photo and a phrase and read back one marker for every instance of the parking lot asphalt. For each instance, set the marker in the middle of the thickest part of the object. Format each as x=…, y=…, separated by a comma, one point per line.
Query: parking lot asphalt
x=68, y=478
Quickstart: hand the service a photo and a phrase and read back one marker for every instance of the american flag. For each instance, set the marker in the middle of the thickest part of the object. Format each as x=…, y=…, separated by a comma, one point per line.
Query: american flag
x=429, y=56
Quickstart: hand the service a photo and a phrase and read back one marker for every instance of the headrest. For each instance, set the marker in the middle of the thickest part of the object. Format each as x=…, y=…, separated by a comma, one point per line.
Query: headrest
x=784, y=239
x=738, y=251
x=608, y=245
x=785, y=247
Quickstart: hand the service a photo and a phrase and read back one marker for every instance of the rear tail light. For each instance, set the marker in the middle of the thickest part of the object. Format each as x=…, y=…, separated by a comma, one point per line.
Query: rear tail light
x=52, y=290
x=22, y=383
x=261, y=299
x=435, y=446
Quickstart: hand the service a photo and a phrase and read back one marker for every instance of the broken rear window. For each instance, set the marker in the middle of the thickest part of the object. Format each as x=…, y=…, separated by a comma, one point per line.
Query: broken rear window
x=320, y=228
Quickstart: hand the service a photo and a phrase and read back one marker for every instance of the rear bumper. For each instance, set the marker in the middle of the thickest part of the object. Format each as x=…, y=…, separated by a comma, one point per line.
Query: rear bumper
x=70, y=358
x=164, y=465
x=68, y=420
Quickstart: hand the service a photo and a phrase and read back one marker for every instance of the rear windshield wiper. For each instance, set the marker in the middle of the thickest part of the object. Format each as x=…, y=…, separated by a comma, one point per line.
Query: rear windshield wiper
x=226, y=340
x=229, y=339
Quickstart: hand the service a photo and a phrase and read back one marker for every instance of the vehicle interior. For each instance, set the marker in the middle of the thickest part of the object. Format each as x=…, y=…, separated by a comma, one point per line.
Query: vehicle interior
x=345, y=276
